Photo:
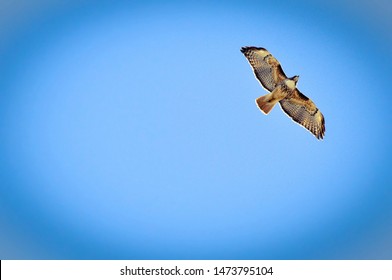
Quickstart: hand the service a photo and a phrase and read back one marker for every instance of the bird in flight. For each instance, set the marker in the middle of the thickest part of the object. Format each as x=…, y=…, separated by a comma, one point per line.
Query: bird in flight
x=284, y=90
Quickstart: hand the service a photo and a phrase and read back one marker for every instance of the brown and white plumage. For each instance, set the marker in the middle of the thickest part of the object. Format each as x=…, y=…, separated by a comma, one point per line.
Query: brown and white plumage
x=296, y=105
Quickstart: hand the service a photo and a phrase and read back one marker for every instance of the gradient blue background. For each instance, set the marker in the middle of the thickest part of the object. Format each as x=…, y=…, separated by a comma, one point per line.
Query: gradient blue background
x=129, y=131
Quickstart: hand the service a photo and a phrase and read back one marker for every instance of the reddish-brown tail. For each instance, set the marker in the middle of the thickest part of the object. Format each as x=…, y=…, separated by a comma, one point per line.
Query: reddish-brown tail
x=265, y=103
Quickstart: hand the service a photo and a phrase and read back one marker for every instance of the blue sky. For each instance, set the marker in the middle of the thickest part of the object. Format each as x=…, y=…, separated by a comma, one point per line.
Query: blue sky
x=131, y=132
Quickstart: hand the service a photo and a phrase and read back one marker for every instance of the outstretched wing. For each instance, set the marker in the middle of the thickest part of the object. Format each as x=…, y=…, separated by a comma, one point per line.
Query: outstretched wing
x=267, y=68
x=303, y=111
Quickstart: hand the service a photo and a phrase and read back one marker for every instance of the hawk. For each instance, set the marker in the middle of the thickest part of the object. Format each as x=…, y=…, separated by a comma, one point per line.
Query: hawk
x=296, y=105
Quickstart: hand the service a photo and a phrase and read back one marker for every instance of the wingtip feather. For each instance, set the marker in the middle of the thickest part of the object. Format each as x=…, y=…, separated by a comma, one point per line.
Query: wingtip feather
x=247, y=48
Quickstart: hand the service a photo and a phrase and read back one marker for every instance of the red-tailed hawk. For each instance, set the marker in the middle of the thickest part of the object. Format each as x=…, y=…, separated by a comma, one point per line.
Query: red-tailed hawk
x=297, y=106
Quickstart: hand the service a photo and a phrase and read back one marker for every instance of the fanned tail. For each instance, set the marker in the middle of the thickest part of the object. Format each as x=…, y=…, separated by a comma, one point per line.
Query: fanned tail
x=266, y=103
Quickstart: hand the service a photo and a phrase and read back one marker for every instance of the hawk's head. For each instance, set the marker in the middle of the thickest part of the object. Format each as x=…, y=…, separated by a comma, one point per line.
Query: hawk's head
x=295, y=79
x=291, y=83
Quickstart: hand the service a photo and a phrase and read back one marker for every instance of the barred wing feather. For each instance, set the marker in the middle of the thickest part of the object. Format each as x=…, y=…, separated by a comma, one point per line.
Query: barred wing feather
x=303, y=111
x=266, y=68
